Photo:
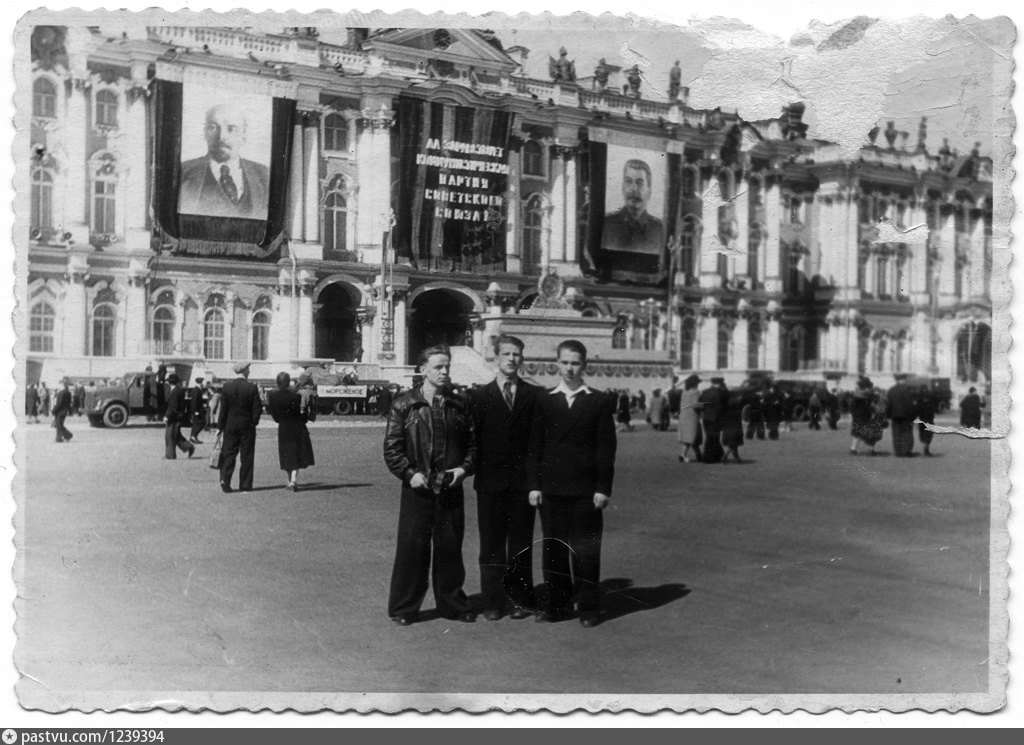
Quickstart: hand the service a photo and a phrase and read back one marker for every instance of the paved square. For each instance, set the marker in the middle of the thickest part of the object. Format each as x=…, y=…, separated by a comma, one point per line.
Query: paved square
x=802, y=570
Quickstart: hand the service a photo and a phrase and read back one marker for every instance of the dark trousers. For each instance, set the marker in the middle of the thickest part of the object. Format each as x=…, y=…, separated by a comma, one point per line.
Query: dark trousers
x=902, y=436
x=238, y=441
x=172, y=438
x=571, y=558
x=62, y=431
x=198, y=425
x=815, y=415
x=427, y=520
x=755, y=428
x=713, y=451
x=506, y=520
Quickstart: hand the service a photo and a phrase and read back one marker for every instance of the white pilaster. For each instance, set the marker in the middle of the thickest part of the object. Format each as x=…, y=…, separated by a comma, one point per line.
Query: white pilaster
x=771, y=361
x=770, y=249
x=311, y=196
x=740, y=343
x=947, y=256
x=708, y=343
x=570, y=208
x=401, y=329
x=305, y=320
x=557, y=209
x=513, y=261
x=77, y=179
x=296, y=209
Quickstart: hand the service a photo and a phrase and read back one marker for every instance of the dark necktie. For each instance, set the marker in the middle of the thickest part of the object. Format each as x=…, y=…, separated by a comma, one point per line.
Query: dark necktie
x=228, y=184
x=507, y=392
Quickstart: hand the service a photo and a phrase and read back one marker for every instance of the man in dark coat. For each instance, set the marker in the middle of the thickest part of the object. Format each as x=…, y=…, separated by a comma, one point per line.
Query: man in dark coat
x=430, y=445
x=901, y=409
x=970, y=409
x=61, y=409
x=240, y=411
x=197, y=412
x=175, y=415
x=503, y=412
x=714, y=400
x=570, y=468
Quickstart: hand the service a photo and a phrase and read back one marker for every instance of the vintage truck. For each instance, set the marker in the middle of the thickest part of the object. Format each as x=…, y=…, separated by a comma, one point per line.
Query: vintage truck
x=134, y=394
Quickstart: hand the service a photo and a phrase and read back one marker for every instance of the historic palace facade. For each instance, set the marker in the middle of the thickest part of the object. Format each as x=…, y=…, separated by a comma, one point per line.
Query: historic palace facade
x=412, y=186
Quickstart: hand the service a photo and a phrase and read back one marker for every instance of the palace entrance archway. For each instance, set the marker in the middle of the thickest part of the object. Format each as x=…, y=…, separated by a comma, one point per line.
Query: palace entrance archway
x=439, y=316
x=337, y=324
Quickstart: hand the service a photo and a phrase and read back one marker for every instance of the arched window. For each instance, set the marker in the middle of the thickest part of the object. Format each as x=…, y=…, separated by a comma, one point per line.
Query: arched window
x=40, y=327
x=335, y=133
x=882, y=276
x=335, y=221
x=163, y=330
x=754, y=336
x=103, y=318
x=862, y=266
x=898, y=351
x=794, y=269
x=261, y=335
x=533, y=233
x=691, y=181
x=795, y=210
x=881, y=348
x=863, y=339
x=724, y=341
x=106, y=108
x=901, y=275
x=214, y=334
x=44, y=99
x=687, y=337
x=754, y=255
x=42, y=200
x=619, y=335
x=533, y=159
x=104, y=202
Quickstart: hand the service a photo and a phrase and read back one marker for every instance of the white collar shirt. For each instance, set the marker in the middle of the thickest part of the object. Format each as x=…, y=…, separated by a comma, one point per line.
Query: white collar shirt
x=570, y=395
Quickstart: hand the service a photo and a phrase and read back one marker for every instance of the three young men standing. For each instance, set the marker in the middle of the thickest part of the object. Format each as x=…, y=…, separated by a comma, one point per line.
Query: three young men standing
x=552, y=450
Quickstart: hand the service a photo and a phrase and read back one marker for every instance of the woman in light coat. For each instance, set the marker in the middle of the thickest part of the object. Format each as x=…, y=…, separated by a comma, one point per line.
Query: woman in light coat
x=689, y=420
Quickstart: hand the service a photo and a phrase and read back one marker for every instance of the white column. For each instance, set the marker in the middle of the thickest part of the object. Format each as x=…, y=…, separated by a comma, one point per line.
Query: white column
x=305, y=321
x=771, y=361
x=371, y=344
x=976, y=255
x=708, y=255
x=736, y=265
x=401, y=330
x=135, y=318
x=295, y=206
x=708, y=343
x=311, y=153
x=569, y=254
x=74, y=318
x=281, y=333
x=135, y=206
x=740, y=343
x=947, y=254
x=557, y=208
x=373, y=161
x=770, y=249
x=513, y=261
x=77, y=179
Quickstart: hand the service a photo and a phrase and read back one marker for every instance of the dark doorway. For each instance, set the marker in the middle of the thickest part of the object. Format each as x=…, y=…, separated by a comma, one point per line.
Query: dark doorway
x=974, y=352
x=337, y=326
x=438, y=317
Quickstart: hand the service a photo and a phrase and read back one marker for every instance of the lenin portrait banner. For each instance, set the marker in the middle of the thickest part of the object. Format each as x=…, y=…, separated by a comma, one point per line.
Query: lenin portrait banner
x=221, y=169
x=453, y=176
x=631, y=214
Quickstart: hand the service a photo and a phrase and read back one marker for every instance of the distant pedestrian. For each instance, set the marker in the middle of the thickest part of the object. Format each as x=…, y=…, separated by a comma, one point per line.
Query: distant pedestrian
x=306, y=389
x=866, y=423
x=832, y=411
x=294, y=448
x=755, y=415
x=197, y=412
x=384, y=400
x=213, y=401
x=32, y=403
x=44, y=400
x=814, y=410
x=641, y=401
x=926, y=409
x=970, y=409
x=771, y=406
x=77, y=398
x=240, y=411
x=161, y=389
x=175, y=415
x=689, y=420
x=622, y=415
x=657, y=411
x=61, y=409
x=901, y=408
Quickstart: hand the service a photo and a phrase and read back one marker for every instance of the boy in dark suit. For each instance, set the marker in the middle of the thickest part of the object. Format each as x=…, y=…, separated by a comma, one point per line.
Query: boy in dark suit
x=570, y=467
x=503, y=410
x=240, y=411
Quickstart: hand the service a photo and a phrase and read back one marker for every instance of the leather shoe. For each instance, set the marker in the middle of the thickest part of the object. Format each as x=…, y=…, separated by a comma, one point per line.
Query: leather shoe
x=518, y=614
x=191, y=451
x=589, y=620
x=466, y=617
x=225, y=488
x=492, y=615
x=548, y=617
x=404, y=620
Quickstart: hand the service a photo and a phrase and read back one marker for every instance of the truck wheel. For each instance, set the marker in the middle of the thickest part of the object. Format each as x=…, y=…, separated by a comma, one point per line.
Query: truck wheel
x=799, y=413
x=115, y=416
x=343, y=407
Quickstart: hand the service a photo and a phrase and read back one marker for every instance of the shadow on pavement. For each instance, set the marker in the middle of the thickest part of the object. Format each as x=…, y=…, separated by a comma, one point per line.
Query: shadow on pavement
x=621, y=597
x=317, y=486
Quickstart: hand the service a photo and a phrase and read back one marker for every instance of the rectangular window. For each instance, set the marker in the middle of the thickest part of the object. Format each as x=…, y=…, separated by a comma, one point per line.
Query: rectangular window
x=103, y=218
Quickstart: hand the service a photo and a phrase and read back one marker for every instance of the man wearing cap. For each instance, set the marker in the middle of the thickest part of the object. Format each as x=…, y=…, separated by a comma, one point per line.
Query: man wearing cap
x=713, y=400
x=197, y=412
x=240, y=411
x=174, y=416
x=901, y=409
